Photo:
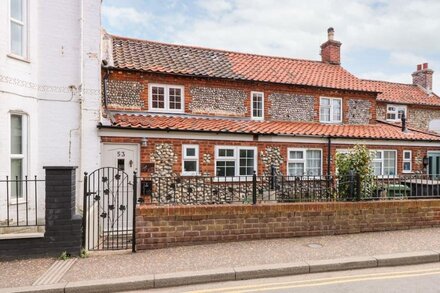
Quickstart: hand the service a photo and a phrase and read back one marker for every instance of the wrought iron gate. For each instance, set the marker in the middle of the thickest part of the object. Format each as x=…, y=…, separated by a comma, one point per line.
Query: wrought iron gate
x=109, y=205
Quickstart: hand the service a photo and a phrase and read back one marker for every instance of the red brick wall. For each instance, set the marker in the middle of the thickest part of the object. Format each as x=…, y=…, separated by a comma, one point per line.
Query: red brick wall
x=159, y=227
x=208, y=147
x=247, y=86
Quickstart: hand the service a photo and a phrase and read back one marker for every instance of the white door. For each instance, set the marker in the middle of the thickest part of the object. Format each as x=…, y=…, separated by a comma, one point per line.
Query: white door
x=123, y=157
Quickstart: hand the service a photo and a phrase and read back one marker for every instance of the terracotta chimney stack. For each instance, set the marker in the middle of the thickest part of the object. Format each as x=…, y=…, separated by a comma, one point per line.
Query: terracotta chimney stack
x=423, y=77
x=331, y=50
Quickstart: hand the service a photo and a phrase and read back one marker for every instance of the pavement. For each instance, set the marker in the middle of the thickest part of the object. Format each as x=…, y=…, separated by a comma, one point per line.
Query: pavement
x=224, y=261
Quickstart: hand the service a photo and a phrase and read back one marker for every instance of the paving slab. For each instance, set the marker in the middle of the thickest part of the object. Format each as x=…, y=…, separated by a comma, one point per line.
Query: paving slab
x=272, y=270
x=406, y=258
x=339, y=264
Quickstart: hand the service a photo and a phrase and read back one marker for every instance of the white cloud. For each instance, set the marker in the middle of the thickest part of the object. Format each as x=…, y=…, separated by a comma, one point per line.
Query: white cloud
x=406, y=58
x=120, y=17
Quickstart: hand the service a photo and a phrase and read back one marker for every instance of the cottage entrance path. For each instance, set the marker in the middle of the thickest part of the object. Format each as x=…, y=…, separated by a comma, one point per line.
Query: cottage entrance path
x=223, y=255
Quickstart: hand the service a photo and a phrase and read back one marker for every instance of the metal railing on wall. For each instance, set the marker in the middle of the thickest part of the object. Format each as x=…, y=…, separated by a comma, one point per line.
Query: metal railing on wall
x=21, y=202
x=193, y=190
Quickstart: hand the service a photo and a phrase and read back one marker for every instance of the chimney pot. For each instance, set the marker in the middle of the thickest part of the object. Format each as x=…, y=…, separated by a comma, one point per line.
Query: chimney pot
x=425, y=65
x=330, y=33
x=419, y=67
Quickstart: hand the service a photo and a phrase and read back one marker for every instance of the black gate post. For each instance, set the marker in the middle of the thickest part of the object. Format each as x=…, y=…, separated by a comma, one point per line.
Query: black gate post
x=133, y=237
x=254, y=188
x=84, y=218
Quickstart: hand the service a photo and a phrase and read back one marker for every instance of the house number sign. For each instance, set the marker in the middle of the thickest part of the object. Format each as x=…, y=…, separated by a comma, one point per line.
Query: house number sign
x=120, y=154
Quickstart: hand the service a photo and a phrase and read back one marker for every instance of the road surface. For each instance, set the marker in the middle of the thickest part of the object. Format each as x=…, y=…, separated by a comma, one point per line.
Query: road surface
x=418, y=278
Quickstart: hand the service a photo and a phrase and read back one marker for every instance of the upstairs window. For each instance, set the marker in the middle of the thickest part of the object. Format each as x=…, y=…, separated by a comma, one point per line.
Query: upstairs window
x=18, y=27
x=257, y=105
x=395, y=112
x=190, y=159
x=302, y=162
x=166, y=98
x=235, y=161
x=330, y=110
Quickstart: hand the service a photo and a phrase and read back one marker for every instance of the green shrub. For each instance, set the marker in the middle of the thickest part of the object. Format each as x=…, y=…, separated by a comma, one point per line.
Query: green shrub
x=358, y=159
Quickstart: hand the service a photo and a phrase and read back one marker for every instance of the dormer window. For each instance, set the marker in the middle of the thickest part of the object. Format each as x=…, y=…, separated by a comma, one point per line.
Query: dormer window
x=394, y=112
x=330, y=110
x=166, y=98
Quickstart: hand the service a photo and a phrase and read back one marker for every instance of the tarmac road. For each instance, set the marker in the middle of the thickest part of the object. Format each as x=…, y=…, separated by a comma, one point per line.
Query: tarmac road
x=417, y=278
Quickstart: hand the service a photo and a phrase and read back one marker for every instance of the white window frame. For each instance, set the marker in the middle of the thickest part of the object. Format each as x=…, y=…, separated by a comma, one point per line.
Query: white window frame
x=166, y=98
x=332, y=120
x=25, y=24
x=381, y=175
x=24, y=157
x=262, y=105
x=407, y=160
x=396, y=112
x=236, y=159
x=303, y=160
x=190, y=158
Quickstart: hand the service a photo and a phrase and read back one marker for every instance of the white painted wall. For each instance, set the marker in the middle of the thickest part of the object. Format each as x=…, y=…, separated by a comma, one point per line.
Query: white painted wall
x=58, y=87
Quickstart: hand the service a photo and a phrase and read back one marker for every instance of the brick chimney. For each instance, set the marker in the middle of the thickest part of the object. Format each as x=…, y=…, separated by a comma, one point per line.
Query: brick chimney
x=331, y=50
x=423, y=77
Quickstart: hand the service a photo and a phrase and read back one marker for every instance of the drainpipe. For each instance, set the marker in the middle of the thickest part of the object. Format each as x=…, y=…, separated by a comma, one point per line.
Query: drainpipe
x=329, y=157
x=404, y=128
x=104, y=80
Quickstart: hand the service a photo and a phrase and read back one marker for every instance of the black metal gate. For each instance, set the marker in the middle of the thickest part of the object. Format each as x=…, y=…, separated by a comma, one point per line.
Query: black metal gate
x=109, y=210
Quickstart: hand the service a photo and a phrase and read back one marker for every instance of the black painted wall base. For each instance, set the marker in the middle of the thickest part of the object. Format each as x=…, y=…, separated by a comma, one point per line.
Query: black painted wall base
x=63, y=226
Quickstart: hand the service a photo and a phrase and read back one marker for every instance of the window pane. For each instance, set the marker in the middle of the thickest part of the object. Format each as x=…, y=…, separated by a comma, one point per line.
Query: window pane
x=16, y=173
x=17, y=9
x=225, y=152
x=190, y=152
x=16, y=134
x=337, y=110
x=389, y=163
x=377, y=167
x=158, y=97
x=16, y=38
x=296, y=155
x=325, y=114
x=246, y=162
x=295, y=169
x=313, y=162
x=325, y=102
x=257, y=105
x=407, y=155
x=190, y=166
x=225, y=168
x=406, y=166
x=175, y=98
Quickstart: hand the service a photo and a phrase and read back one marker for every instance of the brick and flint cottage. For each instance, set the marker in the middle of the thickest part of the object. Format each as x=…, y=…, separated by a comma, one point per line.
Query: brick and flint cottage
x=182, y=110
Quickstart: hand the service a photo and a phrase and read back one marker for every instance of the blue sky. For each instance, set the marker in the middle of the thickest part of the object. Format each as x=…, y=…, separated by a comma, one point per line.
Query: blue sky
x=381, y=39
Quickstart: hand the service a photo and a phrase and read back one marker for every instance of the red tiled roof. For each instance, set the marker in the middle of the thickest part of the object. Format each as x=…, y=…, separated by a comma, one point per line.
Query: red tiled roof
x=402, y=93
x=176, y=59
x=381, y=130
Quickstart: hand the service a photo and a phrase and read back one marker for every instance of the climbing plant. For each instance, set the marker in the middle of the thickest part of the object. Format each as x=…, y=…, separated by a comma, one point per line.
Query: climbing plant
x=357, y=160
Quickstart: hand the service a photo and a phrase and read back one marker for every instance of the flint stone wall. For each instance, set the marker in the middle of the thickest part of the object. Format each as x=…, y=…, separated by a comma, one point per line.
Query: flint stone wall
x=291, y=107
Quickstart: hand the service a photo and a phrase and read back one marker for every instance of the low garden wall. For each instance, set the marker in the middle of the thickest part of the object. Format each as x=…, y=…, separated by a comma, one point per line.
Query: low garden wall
x=167, y=226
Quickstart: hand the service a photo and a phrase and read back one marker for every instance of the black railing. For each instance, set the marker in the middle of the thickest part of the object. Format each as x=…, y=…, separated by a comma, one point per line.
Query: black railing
x=20, y=203
x=185, y=190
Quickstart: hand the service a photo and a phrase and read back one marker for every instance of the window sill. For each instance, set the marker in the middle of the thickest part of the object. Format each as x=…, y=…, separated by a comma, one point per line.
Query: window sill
x=19, y=58
x=13, y=202
x=330, y=122
x=21, y=236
